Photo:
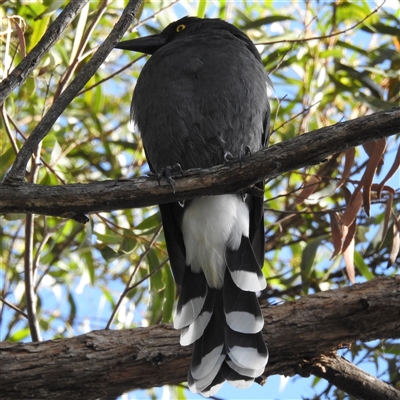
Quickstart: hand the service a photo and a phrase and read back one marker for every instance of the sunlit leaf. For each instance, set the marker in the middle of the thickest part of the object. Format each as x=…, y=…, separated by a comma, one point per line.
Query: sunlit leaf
x=148, y=225
x=108, y=253
x=361, y=266
x=308, y=257
x=19, y=335
x=169, y=295
x=156, y=281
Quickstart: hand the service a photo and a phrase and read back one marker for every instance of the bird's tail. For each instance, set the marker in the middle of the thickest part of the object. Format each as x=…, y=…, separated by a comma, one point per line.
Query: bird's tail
x=224, y=324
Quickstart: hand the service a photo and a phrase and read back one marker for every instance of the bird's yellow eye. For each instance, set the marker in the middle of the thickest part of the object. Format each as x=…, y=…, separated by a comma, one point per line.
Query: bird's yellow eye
x=180, y=28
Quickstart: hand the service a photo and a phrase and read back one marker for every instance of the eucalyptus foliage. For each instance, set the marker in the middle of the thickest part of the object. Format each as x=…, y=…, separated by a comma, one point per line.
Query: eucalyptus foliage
x=328, y=61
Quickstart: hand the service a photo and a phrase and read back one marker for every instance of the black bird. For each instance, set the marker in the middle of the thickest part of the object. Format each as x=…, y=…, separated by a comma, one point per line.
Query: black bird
x=200, y=99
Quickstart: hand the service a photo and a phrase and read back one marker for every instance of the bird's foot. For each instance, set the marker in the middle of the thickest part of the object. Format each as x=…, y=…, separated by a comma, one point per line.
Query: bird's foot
x=167, y=173
x=228, y=157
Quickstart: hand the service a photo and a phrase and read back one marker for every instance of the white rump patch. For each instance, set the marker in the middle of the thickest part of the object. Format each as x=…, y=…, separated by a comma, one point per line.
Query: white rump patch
x=209, y=225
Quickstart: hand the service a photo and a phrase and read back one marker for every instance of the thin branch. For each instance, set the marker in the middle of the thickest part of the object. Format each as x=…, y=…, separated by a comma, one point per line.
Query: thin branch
x=42, y=160
x=3, y=113
x=326, y=36
x=15, y=308
x=29, y=265
x=302, y=112
x=32, y=60
x=67, y=242
x=128, y=287
x=17, y=171
x=29, y=280
x=101, y=81
x=136, y=284
x=288, y=50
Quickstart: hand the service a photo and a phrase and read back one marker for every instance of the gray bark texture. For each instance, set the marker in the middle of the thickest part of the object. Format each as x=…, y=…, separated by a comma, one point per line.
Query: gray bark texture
x=302, y=337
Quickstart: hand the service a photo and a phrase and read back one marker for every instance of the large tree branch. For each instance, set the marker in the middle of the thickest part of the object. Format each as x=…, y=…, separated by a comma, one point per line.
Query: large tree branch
x=297, y=333
x=308, y=149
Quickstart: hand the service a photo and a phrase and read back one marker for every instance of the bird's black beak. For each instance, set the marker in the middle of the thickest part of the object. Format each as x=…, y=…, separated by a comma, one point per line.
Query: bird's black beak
x=147, y=44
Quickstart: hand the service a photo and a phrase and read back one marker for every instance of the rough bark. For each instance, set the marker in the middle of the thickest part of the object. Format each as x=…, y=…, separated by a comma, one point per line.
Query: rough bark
x=301, y=337
x=74, y=200
x=351, y=379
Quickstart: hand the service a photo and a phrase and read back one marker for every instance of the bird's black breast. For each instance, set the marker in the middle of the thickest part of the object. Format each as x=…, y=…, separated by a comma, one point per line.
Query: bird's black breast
x=199, y=97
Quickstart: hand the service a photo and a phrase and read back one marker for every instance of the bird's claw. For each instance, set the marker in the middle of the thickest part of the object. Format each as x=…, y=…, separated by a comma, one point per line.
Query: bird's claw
x=228, y=157
x=166, y=173
x=247, y=151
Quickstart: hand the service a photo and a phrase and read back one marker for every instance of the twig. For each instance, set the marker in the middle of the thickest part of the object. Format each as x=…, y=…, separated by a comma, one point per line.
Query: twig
x=3, y=113
x=128, y=287
x=325, y=36
x=15, y=308
x=29, y=281
x=305, y=110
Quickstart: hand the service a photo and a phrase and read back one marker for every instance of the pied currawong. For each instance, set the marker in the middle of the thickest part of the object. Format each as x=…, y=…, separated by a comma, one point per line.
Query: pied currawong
x=200, y=99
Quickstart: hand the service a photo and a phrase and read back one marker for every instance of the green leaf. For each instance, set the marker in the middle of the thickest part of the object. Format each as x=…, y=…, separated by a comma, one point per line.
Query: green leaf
x=14, y=217
x=6, y=159
x=108, y=238
x=107, y=294
x=201, y=8
x=362, y=267
x=266, y=21
x=79, y=31
x=307, y=260
x=128, y=245
x=169, y=294
x=72, y=311
x=156, y=282
x=19, y=335
x=156, y=307
x=149, y=224
x=108, y=253
x=55, y=153
x=382, y=28
x=86, y=254
x=40, y=27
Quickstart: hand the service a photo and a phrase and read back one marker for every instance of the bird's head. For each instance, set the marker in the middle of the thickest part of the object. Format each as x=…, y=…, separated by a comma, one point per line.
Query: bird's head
x=182, y=27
